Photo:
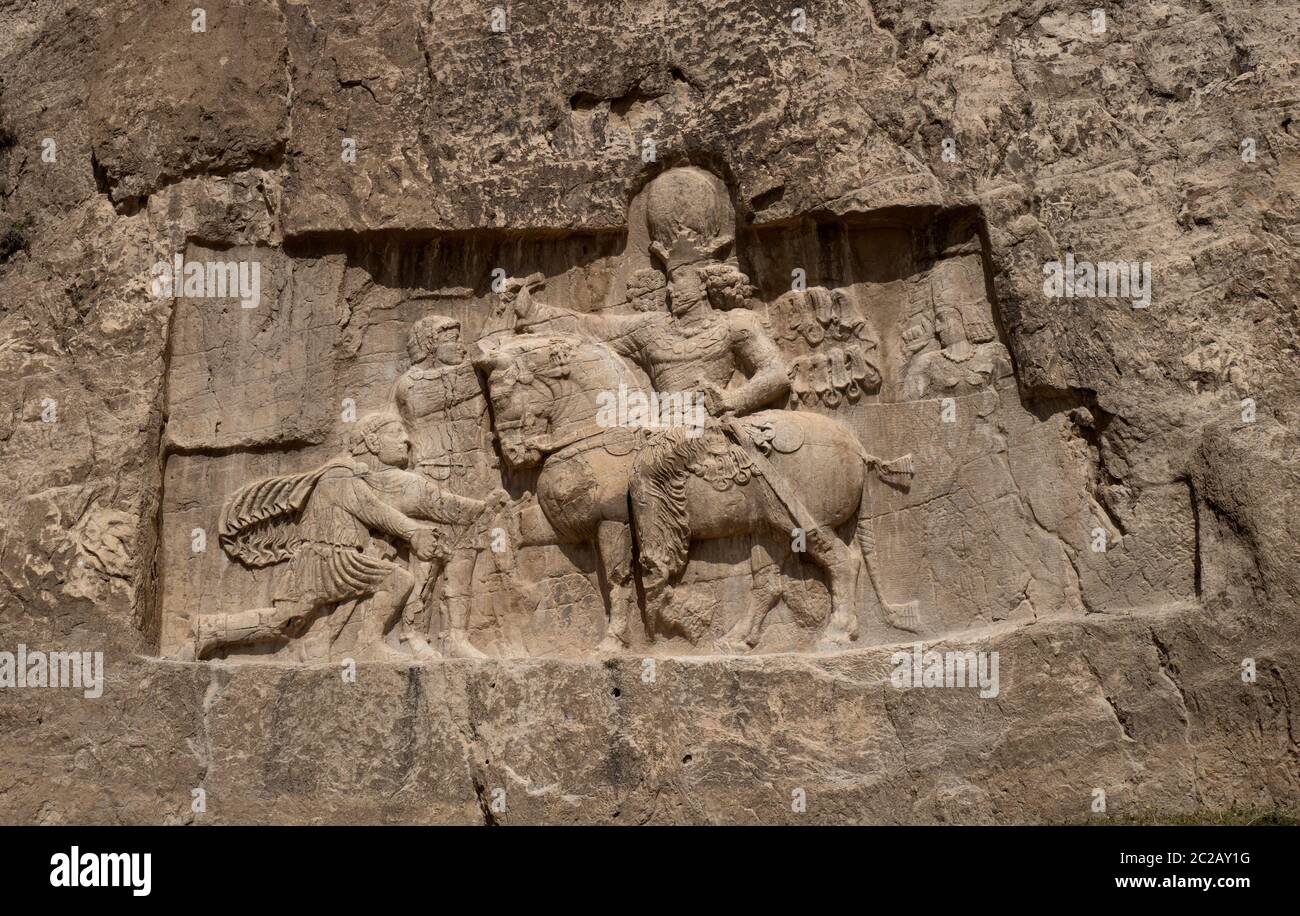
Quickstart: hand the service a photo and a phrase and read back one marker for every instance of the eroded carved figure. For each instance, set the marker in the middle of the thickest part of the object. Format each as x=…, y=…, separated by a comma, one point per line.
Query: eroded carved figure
x=969, y=358
x=337, y=529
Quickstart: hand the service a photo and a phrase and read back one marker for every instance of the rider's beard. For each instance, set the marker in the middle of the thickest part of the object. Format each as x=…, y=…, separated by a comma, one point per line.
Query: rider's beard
x=682, y=305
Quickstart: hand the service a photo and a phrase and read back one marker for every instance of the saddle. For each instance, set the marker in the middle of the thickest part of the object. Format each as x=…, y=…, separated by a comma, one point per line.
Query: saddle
x=725, y=453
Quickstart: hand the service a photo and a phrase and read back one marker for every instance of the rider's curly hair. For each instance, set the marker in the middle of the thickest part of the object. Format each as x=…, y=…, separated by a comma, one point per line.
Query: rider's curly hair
x=647, y=290
x=727, y=286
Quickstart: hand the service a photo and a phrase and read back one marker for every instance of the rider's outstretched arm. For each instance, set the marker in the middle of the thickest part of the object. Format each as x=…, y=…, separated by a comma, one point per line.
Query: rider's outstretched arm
x=621, y=332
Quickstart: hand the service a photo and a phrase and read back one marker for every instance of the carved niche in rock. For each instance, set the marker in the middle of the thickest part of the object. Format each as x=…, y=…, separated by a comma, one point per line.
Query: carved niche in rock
x=638, y=444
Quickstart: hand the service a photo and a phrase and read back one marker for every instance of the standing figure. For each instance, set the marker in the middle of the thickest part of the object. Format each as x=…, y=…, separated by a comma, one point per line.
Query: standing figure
x=446, y=415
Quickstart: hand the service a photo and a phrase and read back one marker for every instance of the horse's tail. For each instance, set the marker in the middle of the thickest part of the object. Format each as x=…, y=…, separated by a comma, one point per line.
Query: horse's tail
x=898, y=472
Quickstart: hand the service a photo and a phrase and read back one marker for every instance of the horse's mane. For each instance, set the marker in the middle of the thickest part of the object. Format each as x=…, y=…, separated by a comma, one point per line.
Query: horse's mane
x=538, y=351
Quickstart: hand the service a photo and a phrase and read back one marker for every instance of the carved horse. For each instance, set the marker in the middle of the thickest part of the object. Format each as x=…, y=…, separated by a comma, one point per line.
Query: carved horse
x=546, y=397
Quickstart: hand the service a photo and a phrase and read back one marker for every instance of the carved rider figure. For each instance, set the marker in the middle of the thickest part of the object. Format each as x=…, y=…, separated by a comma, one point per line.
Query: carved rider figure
x=446, y=415
x=693, y=346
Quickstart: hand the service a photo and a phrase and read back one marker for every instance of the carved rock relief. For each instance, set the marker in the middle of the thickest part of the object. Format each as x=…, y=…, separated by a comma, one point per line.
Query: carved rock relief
x=399, y=454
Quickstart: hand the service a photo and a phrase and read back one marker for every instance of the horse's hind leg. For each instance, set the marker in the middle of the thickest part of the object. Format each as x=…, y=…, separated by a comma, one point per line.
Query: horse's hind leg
x=614, y=544
x=841, y=564
x=764, y=595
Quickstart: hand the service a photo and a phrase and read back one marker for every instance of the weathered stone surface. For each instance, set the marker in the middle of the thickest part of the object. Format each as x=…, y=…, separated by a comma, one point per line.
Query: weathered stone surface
x=167, y=110
x=130, y=420
x=1138, y=706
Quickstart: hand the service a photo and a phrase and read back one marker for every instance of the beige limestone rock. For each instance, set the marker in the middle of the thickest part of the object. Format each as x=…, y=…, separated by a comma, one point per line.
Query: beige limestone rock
x=630, y=677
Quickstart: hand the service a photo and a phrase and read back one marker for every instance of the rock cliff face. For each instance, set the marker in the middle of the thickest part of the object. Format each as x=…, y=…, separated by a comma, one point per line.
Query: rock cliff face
x=991, y=313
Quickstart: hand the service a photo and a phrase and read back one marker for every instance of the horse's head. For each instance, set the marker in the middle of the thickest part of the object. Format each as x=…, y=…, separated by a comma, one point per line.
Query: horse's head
x=543, y=390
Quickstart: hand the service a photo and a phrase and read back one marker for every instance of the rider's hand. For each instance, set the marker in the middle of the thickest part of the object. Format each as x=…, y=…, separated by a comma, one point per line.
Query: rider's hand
x=716, y=401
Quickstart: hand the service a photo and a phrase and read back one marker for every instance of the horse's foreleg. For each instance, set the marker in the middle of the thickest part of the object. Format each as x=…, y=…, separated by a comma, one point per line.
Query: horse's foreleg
x=763, y=597
x=526, y=526
x=614, y=545
x=530, y=527
x=830, y=553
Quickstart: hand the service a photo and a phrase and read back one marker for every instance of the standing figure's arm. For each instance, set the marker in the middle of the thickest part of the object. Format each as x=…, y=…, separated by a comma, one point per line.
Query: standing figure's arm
x=401, y=399
x=437, y=505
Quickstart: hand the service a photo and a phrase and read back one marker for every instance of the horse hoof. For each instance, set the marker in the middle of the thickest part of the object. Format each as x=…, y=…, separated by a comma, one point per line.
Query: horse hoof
x=382, y=652
x=611, y=645
x=460, y=647
x=732, y=646
x=834, y=642
x=424, y=653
